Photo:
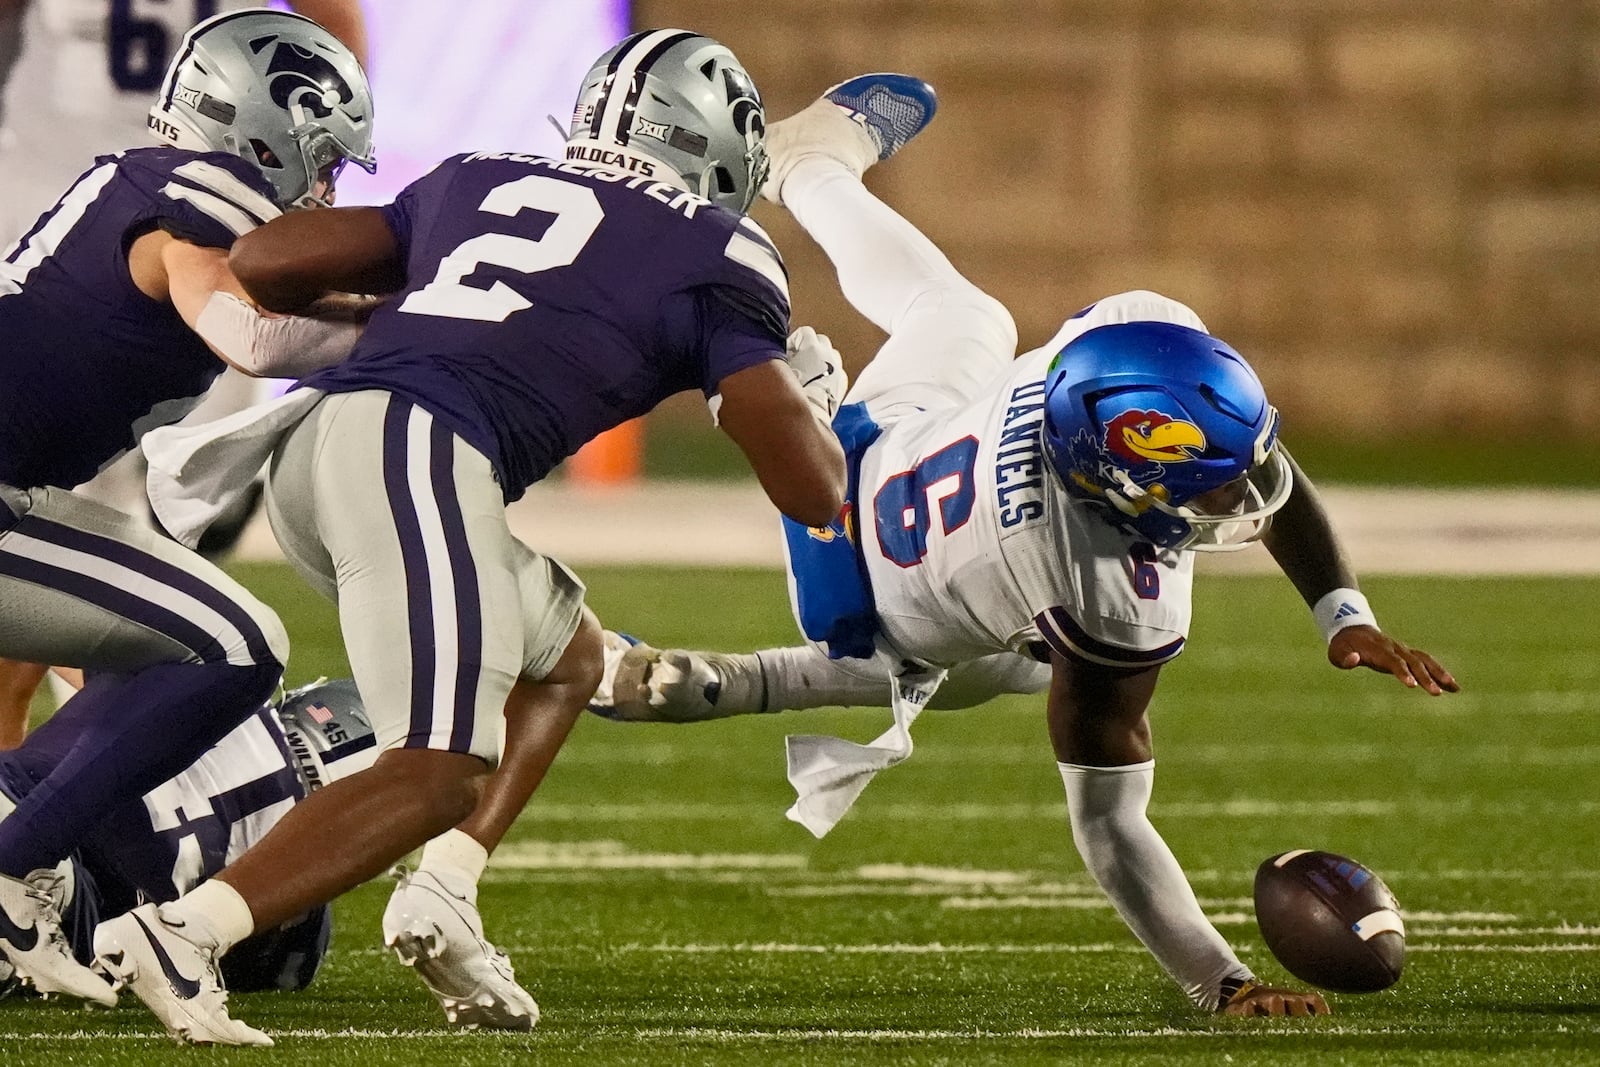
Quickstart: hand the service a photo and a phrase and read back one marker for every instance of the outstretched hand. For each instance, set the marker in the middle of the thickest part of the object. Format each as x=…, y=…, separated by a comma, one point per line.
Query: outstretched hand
x=1367, y=646
x=1255, y=999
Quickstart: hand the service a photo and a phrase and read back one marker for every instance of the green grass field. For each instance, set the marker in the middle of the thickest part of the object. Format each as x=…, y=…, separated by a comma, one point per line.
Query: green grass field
x=663, y=911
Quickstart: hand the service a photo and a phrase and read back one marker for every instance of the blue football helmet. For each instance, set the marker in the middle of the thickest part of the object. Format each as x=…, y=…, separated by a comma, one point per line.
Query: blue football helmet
x=1144, y=417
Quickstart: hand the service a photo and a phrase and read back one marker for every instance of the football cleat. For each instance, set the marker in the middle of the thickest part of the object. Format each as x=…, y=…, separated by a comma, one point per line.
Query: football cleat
x=31, y=940
x=644, y=684
x=439, y=934
x=178, y=979
x=881, y=113
x=892, y=108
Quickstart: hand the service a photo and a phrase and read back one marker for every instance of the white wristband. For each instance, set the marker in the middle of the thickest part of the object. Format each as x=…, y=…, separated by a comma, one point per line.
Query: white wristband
x=1341, y=608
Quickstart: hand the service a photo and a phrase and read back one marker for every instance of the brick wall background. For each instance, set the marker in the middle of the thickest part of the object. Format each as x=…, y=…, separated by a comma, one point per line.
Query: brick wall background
x=1391, y=208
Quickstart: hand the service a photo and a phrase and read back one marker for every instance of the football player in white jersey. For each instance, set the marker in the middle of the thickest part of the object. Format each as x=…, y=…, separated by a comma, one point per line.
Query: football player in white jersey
x=188, y=828
x=1018, y=525
x=83, y=78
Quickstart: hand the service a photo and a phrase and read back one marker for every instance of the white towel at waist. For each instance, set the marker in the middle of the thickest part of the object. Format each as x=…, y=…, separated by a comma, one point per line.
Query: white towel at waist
x=195, y=471
x=828, y=773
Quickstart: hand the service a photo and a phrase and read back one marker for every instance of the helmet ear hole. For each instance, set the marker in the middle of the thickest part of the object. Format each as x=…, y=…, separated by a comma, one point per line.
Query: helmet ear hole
x=265, y=155
x=725, y=183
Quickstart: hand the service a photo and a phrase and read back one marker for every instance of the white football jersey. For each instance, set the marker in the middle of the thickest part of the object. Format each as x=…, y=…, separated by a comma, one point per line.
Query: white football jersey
x=207, y=816
x=88, y=73
x=973, y=547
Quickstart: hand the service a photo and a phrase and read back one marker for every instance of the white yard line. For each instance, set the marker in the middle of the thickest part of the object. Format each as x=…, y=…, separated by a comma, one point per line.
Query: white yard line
x=1243, y=808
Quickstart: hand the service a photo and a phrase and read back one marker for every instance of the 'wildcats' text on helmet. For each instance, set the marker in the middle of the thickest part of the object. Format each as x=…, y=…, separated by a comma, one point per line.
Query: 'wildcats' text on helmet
x=674, y=99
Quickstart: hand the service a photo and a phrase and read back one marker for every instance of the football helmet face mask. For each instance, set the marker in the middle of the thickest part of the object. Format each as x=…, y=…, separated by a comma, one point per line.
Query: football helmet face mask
x=677, y=100
x=275, y=89
x=1158, y=423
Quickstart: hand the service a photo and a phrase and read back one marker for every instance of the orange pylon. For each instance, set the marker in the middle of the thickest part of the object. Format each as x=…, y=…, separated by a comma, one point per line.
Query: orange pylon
x=616, y=457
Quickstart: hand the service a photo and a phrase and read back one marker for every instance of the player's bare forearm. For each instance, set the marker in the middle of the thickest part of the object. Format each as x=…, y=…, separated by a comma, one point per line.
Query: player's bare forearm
x=1303, y=542
x=301, y=256
x=797, y=458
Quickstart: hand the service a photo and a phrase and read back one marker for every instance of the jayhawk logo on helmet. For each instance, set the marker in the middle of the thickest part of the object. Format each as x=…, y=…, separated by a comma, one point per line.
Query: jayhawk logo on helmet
x=1153, y=437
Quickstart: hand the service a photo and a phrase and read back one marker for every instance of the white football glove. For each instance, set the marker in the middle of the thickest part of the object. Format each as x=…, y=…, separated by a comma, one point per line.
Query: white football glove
x=820, y=371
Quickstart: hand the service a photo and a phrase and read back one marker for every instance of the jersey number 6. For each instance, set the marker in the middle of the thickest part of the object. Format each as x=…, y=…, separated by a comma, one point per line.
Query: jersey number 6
x=578, y=214
x=140, y=48
x=902, y=505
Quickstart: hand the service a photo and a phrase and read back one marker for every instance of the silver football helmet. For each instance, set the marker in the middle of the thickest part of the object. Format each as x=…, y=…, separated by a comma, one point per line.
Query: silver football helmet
x=674, y=99
x=329, y=734
x=274, y=88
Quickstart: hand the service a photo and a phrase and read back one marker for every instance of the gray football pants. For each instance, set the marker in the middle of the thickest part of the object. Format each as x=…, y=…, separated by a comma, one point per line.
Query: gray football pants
x=84, y=585
x=402, y=523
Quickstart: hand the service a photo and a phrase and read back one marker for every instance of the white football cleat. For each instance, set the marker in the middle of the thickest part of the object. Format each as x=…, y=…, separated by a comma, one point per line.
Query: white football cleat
x=881, y=113
x=440, y=934
x=177, y=978
x=32, y=941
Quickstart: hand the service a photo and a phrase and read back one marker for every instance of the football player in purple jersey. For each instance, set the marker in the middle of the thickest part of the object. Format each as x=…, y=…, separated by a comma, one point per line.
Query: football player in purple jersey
x=117, y=309
x=1020, y=524
x=538, y=302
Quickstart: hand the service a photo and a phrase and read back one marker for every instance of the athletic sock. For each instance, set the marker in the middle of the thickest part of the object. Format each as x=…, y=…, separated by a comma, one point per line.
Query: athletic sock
x=212, y=913
x=457, y=860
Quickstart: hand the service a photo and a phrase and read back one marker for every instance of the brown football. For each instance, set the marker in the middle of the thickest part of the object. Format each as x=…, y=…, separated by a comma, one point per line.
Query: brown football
x=1330, y=921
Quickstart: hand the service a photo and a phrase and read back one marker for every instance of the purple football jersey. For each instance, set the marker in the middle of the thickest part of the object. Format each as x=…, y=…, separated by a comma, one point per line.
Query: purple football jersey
x=547, y=302
x=88, y=363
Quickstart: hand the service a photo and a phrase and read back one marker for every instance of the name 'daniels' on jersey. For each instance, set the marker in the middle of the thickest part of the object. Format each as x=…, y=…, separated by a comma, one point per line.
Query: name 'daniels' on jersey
x=1019, y=460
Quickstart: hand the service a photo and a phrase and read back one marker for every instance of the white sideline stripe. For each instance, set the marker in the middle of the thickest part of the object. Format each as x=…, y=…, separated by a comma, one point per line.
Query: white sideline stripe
x=1093, y=948
x=1387, y=531
x=944, y=875
x=309, y=1035
x=1054, y=811
x=1568, y=946
x=893, y=948
x=774, y=1036
x=1027, y=903
x=522, y=858
x=1568, y=930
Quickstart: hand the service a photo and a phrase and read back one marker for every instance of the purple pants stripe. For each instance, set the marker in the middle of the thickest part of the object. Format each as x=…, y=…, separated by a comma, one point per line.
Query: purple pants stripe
x=160, y=570
x=413, y=556
x=117, y=601
x=469, y=610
